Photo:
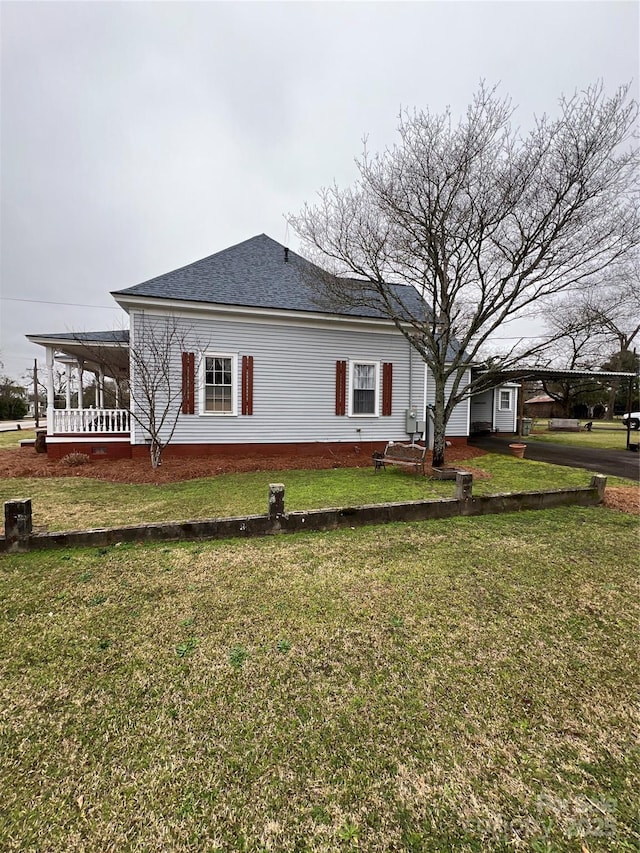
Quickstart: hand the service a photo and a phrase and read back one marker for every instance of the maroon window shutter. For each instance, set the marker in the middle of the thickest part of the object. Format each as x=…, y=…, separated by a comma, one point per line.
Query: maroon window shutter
x=341, y=387
x=247, y=385
x=387, y=387
x=188, y=383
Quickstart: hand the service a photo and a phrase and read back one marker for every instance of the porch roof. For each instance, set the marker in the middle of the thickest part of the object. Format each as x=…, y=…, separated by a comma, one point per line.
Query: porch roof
x=108, y=351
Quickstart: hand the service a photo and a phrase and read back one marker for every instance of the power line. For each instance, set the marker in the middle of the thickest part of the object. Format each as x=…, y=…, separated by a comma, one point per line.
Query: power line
x=48, y=302
x=117, y=308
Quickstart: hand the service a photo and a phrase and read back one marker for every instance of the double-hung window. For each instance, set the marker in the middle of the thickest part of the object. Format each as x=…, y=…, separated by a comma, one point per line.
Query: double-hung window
x=504, y=403
x=363, y=399
x=219, y=379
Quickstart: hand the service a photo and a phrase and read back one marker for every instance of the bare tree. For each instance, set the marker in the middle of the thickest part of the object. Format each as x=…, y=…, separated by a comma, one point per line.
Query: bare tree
x=156, y=386
x=485, y=222
x=613, y=305
x=597, y=327
x=576, y=342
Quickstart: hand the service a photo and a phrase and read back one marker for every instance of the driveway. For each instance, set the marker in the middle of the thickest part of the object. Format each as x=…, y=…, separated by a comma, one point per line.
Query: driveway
x=613, y=463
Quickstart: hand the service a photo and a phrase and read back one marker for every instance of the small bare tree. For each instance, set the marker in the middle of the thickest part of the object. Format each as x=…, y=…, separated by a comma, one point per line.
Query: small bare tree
x=485, y=223
x=156, y=383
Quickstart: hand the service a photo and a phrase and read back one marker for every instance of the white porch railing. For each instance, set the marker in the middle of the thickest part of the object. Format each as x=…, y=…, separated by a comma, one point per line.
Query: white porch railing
x=90, y=420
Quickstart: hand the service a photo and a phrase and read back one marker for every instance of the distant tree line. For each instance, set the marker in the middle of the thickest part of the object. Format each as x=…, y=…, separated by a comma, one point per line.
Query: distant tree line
x=13, y=404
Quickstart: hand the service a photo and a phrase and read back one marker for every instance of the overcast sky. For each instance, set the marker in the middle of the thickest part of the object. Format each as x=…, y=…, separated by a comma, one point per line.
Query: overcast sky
x=137, y=137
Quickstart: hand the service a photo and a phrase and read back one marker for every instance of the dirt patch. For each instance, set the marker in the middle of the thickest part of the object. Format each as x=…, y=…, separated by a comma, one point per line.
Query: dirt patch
x=25, y=462
x=624, y=498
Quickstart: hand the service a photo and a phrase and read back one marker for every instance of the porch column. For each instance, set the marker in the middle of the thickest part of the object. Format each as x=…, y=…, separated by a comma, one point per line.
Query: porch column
x=117, y=384
x=101, y=386
x=97, y=390
x=80, y=381
x=68, y=372
x=50, y=392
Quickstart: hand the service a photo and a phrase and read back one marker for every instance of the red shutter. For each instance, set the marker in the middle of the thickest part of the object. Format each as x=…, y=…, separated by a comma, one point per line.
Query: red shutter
x=188, y=383
x=247, y=385
x=341, y=387
x=387, y=387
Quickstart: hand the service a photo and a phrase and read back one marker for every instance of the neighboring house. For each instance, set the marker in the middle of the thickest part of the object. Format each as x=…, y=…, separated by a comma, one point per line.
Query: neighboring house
x=543, y=406
x=261, y=362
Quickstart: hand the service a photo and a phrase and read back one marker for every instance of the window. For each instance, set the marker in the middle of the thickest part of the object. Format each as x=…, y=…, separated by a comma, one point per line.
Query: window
x=218, y=395
x=364, y=388
x=504, y=403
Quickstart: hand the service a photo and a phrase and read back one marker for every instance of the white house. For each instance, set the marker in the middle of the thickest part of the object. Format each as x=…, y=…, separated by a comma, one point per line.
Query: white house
x=254, y=359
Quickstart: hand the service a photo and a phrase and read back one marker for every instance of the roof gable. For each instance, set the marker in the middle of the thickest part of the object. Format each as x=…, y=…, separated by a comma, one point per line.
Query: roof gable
x=257, y=273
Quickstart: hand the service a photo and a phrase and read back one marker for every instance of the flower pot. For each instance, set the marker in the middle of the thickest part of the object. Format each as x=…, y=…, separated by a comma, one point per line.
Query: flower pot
x=518, y=450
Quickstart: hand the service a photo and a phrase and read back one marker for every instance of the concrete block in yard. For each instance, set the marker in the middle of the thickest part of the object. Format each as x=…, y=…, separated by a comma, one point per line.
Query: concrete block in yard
x=599, y=482
x=464, y=486
x=17, y=522
x=276, y=501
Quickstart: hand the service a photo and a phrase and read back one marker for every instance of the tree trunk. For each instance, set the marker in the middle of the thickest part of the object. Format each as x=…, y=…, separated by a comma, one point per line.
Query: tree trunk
x=613, y=393
x=439, y=427
x=155, y=450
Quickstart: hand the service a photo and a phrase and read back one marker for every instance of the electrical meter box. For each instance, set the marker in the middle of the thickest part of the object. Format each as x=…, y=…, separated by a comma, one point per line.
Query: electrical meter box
x=411, y=420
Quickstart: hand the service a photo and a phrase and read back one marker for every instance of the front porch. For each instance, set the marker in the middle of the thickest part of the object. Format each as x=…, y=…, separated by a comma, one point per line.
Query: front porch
x=88, y=422
x=87, y=393
x=98, y=433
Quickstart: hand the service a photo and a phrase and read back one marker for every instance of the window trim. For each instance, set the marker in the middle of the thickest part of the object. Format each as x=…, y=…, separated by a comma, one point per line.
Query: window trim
x=376, y=409
x=509, y=407
x=234, y=384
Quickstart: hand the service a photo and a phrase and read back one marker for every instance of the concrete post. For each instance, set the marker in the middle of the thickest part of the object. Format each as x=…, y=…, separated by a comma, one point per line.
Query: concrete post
x=599, y=482
x=464, y=486
x=276, y=501
x=17, y=523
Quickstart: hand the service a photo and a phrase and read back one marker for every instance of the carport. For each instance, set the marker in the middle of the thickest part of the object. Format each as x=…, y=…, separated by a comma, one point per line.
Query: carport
x=528, y=374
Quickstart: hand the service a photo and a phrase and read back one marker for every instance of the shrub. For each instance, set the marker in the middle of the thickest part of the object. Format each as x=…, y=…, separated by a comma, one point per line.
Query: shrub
x=72, y=460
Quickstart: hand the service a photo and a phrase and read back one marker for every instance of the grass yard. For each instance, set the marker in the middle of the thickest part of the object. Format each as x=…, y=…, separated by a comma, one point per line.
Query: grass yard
x=12, y=438
x=465, y=685
x=605, y=435
x=67, y=503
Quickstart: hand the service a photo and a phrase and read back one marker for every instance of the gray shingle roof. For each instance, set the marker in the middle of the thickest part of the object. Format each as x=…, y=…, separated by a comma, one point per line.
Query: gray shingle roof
x=254, y=274
x=118, y=336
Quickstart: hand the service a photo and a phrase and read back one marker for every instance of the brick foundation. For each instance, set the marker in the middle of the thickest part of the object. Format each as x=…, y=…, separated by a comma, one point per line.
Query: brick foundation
x=95, y=449
x=292, y=449
x=100, y=448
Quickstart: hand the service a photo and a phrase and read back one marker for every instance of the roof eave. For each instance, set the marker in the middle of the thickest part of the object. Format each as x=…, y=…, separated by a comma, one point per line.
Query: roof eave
x=129, y=301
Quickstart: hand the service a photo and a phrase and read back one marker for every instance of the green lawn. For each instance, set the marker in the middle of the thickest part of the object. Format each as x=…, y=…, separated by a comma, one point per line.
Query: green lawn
x=604, y=435
x=13, y=438
x=65, y=503
x=463, y=685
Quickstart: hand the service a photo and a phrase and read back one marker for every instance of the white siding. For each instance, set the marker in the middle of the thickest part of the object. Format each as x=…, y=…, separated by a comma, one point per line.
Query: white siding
x=459, y=421
x=482, y=408
x=505, y=419
x=294, y=380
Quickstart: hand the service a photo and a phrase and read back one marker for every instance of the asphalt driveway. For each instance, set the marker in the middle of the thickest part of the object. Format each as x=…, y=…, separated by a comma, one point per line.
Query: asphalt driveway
x=614, y=463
